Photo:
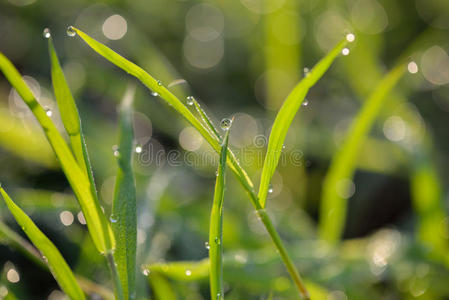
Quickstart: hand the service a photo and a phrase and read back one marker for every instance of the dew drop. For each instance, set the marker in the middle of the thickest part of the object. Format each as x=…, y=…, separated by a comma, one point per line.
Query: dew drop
x=305, y=102
x=154, y=94
x=270, y=189
x=350, y=37
x=412, y=67
x=190, y=100
x=116, y=151
x=159, y=82
x=146, y=272
x=48, y=111
x=113, y=218
x=345, y=51
x=138, y=148
x=47, y=33
x=188, y=272
x=306, y=72
x=71, y=31
x=216, y=173
x=225, y=124
x=206, y=244
x=217, y=241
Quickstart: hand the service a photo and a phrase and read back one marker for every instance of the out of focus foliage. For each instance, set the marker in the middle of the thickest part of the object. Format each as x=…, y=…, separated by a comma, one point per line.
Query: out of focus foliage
x=239, y=58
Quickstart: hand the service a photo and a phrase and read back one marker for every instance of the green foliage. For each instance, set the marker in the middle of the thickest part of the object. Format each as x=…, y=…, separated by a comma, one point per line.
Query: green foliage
x=216, y=227
x=96, y=221
x=285, y=117
x=124, y=218
x=58, y=266
x=333, y=205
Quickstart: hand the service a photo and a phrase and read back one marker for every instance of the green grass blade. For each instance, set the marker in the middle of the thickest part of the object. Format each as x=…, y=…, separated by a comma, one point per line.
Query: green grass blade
x=207, y=121
x=182, y=270
x=333, y=205
x=285, y=117
x=216, y=227
x=161, y=287
x=58, y=266
x=154, y=85
x=98, y=226
x=123, y=218
x=70, y=116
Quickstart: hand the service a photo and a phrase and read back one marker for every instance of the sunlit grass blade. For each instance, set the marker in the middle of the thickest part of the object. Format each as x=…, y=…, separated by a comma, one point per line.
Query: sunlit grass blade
x=123, y=218
x=98, y=226
x=156, y=86
x=207, y=121
x=171, y=99
x=285, y=117
x=70, y=116
x=216, y=227
x=182, y=270
x=58, y=266
x=333, y=202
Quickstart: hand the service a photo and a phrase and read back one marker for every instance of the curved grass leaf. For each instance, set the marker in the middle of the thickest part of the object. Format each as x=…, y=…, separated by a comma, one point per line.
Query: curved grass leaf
x=98, y=226
x=161, y=287
x=182, y=270
x=123, y=218
x=70, y=116
x=333, y=205
x=156, y=86
x=58, y=266
x=216, y=227
x=286, y=115
x=205, y=118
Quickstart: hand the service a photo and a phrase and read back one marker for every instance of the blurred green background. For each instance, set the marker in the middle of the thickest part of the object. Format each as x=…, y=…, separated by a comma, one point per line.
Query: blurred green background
x=240, y=58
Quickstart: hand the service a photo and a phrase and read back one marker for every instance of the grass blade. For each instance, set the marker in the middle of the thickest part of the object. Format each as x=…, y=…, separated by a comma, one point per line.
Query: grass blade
x=171, y=99
x=123, y=218
x=161, y=287
x=333, y=205
x=285, y=117
x=98, y=226
x=58, y=266
x=156, y=86
x=70, y=116
x=216, y=227
x=207, y=121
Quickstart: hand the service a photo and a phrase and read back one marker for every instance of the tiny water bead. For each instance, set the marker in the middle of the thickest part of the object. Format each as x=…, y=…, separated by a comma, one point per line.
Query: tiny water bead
x=71, y=31
x=47, y=33
x=350, y=37
x=113, y=218
x=48, y=111
x=306, y=72
x=138, y=148
x=217, y=241
x=188, y=272
x=116, y=151
x=412, y=67
x=225, y=124
x=206, y=244
x=270, y=189
x=154, y=94
x=345, y=51
x=146, y=272
x=190, y=100
x=305, y=102
x=159, y=82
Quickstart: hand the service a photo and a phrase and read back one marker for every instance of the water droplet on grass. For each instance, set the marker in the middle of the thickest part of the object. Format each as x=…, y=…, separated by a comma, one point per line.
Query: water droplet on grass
x=116, y=151
x=270, y=189
x=154, y=94
x=48, y=111
x=138, y=148
x=206, y=244
x=146, y=272
x=188, y=272
x=217, y=241
x=306, y=72
x=225, y=124
x=345, y=51
x=47, y=33
x=159, y=82
x=305, y=102
x=412, y=67
x=190, y=100
x=113, y=218
x=350, y=37
x=71, y=31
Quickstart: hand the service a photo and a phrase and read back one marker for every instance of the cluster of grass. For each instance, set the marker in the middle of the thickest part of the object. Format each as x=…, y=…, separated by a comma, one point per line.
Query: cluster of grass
x=116, y=239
